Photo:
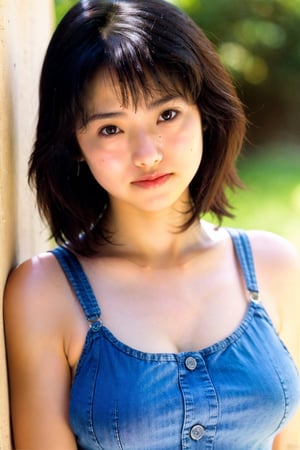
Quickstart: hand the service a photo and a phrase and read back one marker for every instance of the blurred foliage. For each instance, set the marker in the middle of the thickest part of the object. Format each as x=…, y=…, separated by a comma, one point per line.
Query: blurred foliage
x=259, y=42
x=271, y=199
x=61, y=7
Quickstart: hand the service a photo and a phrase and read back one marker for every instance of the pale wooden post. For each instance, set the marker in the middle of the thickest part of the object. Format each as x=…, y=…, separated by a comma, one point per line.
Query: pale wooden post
x=25, y=28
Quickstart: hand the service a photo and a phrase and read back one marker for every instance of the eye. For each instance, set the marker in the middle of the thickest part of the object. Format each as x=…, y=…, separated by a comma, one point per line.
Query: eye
x=167, y=115
x=110, y=130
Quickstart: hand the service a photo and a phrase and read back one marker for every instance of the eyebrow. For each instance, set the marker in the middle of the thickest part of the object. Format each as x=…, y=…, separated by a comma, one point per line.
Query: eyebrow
x=104, y=115
x=113, y=114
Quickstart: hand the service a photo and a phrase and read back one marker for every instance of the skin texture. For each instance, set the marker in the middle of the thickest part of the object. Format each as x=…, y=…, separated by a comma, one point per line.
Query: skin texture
x=127, y=144
x=128, y=150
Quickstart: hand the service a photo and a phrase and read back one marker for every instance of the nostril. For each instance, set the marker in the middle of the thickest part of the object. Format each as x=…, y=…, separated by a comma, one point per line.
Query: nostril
x=147, y=157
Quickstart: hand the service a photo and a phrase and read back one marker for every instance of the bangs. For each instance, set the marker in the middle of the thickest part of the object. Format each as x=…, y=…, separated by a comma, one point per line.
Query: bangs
x=139, y=66
x=145, y=53
x=144, y=79
x=136, y=81
x=145, y=66
x=135, y=87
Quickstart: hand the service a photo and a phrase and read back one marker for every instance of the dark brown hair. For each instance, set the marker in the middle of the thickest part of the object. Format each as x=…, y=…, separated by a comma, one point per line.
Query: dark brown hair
x=145, y=43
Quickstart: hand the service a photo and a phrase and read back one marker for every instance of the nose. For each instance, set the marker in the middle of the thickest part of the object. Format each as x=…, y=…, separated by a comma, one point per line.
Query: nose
x=147, y=150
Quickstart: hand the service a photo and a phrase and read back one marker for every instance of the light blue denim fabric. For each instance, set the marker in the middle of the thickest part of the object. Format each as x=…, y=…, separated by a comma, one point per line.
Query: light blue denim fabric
x=234, y=395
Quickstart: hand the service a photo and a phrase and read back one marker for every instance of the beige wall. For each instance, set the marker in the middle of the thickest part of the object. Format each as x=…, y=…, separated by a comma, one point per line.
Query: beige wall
x=25, y=27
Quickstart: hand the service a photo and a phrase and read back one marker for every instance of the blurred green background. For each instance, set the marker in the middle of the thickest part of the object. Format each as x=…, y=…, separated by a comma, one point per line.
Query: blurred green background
x=259, y=43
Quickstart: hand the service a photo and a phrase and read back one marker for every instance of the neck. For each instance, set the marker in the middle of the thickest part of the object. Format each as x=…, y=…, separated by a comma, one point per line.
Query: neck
x=149, y=239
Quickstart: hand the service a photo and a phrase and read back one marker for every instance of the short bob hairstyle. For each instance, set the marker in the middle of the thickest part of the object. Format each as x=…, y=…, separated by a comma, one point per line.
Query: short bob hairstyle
x=144, y=43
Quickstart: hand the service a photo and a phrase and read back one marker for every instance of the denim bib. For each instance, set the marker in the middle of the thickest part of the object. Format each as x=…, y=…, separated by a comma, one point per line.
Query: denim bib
x=234, y=395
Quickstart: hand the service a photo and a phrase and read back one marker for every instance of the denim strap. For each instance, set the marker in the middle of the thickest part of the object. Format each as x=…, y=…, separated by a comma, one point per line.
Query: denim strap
x=81, y=285
x=244, y=253
x=76, y=276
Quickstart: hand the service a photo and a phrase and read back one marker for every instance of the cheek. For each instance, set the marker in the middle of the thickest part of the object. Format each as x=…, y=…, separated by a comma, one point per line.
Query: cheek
x=102, y=163
x=106, y=168
x=190, y=136
x=188, y=141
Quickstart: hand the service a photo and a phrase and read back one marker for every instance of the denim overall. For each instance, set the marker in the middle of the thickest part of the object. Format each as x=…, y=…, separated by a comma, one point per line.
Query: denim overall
x=234, y=395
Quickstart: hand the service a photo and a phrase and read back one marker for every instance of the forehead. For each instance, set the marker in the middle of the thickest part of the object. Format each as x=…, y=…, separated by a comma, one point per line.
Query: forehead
x=107, y=88
x=104, y=88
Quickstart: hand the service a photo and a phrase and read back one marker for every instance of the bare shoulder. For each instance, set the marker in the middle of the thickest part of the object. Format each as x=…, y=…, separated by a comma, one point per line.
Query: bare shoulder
x=35, y=270
x=274, y=253
x=277, y=261
x=37, y=302
x=34, y=288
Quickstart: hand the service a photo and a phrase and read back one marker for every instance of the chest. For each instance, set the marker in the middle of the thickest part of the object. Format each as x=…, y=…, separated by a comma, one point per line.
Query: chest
x=170, y=310
x=235, y=394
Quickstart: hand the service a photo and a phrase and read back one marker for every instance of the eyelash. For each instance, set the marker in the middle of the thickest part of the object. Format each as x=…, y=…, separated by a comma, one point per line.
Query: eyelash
x=173, y=112
x=116, y=130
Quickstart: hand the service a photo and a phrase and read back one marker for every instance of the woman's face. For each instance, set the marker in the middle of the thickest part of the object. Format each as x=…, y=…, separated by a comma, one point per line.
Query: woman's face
x=144, y=156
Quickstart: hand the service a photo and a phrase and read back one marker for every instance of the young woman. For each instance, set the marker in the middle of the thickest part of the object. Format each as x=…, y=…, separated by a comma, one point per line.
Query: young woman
x=147, y=328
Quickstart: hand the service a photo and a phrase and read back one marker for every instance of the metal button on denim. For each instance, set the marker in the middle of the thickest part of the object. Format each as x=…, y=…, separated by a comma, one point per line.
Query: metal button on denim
x=190, y=363
x=197, y=432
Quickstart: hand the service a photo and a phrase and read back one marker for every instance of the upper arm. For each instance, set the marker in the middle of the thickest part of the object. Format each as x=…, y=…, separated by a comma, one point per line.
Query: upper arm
x=39, y=374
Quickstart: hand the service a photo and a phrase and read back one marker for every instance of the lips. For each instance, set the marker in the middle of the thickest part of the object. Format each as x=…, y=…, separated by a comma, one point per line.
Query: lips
x=151, y=180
